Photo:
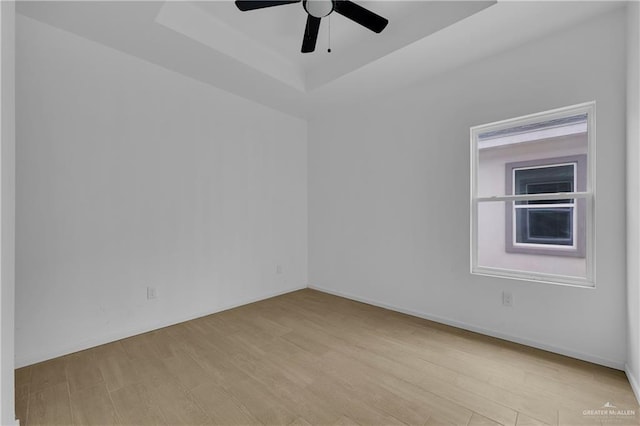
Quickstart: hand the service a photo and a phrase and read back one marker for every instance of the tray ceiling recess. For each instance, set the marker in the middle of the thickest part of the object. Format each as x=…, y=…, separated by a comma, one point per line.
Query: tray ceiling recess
x=269, y=39
x=257, y=55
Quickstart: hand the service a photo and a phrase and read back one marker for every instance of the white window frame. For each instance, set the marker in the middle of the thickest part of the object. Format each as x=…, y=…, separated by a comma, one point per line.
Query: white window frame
x=589, y=196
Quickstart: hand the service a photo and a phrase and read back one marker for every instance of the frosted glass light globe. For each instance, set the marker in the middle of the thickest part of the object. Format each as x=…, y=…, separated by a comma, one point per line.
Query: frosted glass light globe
x=318, y=8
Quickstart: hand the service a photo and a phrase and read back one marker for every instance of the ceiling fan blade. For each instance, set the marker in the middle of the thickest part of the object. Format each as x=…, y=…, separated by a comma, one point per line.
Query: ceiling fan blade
x=245, y=5
x=359, y=14
x=310, y=34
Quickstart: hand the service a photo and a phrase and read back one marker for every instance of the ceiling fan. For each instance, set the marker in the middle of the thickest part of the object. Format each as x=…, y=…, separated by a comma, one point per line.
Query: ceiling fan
x=318, y=9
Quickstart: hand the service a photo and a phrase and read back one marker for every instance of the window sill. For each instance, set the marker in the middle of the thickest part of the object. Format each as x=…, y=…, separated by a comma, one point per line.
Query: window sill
x=545, y=250
x=531, y=277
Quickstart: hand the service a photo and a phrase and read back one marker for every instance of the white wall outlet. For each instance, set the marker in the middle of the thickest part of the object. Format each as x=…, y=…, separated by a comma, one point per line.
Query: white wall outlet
x=507, y=299
x=151, y=293
x=278, y=269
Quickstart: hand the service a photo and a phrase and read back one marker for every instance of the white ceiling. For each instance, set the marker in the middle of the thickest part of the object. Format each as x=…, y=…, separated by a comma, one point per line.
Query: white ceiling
x=256, y=54
x=269, y=39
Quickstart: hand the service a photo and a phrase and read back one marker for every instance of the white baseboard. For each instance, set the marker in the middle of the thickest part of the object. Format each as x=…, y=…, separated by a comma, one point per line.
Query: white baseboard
x=635, y=386
x=123, y=334
x=470, y=327
x=89, y=343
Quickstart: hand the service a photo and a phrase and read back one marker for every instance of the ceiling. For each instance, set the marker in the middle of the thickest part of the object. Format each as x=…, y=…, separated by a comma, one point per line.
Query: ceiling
x=256, y=54
x=269, y=39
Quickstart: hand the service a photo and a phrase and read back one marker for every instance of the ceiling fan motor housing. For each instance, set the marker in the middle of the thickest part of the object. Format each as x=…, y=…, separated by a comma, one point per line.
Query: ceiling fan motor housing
x=318, y=8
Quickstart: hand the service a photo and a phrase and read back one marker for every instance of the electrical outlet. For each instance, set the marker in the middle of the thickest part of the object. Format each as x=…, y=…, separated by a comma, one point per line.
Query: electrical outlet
x=151, y=293
x=278, y=269
x=507, y=299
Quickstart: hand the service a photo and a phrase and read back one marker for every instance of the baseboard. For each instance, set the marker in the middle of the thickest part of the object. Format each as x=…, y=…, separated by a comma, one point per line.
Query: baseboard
x=476, y=329
x=123, y=334
x=635, y=386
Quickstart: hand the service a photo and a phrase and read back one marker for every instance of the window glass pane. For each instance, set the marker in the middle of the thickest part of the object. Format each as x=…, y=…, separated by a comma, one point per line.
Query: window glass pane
x=543, y=180
x=550, y=139
x=546, y=187
x=545, y=224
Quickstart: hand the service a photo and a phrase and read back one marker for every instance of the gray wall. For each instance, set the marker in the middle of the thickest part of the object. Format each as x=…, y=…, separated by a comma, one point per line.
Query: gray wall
x=130, y=175
x=633, y=196
x=7, y=216
x=389, y=194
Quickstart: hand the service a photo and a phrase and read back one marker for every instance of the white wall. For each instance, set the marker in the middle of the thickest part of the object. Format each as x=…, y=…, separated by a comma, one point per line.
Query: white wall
x=633, y=196
x=130, y=175
x=7, y=215
x=389, y=194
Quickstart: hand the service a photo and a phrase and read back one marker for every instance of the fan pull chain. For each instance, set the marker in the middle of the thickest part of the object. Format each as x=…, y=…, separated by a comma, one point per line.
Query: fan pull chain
x=329, y=49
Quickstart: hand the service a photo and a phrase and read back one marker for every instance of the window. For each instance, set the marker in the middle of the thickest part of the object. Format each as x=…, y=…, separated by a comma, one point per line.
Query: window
x=551, y=227
x=532, y=197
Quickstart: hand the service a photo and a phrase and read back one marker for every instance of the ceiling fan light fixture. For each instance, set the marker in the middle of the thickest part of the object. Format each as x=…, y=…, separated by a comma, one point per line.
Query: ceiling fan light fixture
x=318, y=8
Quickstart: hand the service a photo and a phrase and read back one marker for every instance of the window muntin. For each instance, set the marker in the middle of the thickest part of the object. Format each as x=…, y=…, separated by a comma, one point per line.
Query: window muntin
x=544, y=207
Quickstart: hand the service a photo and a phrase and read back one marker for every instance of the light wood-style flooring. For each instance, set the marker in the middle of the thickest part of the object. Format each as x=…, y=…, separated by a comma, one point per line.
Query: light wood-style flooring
x=312, y=358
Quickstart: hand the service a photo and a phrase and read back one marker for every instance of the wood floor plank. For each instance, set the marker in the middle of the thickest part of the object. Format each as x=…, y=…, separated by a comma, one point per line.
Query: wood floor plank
x=48, y=373
x=478, y=420
x=177, y=405
x=362, y=380
x=308, y=405
x=524, y=420
x=439, y=408
x=300, y=421
x=22, y=385
x=436, y=421
x=148, y=369
x=164, y=343
x=289, y=388
x=22, y=376
x=220, y=368
x=82, y=371
x=22, y=402
x=117, y=371
x=188, y=372
x=533, y=405
x=445, y=390
x=312, y=358
x=306, y=343
x=50, y=406
x=221, y=407
x=136, y=405
x=350, y=405
x=345, y=421
x=93, y=406
x=573, y=417
x=140, y=347
x=262, y=404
